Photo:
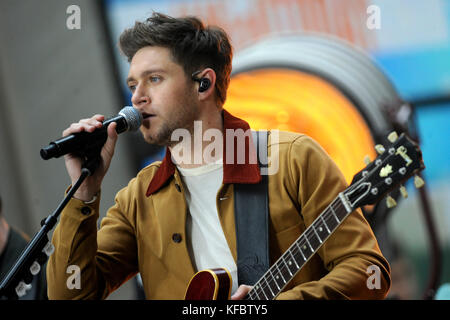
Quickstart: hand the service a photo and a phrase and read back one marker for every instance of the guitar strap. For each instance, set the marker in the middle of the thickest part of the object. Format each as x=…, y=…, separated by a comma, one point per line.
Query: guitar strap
x=251, y=209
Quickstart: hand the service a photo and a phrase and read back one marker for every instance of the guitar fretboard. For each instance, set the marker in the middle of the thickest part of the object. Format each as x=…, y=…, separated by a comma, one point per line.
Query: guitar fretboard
x=290, y=263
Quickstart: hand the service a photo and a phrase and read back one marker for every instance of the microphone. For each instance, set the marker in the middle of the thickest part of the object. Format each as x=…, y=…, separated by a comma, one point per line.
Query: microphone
x=128, y=119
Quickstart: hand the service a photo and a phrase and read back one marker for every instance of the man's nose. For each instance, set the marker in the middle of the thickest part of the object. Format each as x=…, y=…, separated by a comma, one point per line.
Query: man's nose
x=140, y=97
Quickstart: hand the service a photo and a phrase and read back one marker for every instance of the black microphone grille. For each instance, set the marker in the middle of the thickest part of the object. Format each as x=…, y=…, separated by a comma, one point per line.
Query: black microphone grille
x=132, y=116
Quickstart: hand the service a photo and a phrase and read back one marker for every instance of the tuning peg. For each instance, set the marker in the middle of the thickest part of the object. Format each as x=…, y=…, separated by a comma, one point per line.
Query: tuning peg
x=367, y=160
x=379, y=148
x=35, y=268
x=404, y=192
x=418, y=182
x=49, y=249
x=22, y=288
x=392, y=137
x=390, y=202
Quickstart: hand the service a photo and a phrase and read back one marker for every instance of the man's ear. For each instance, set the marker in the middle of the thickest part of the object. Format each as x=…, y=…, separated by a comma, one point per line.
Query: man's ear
x=207, y=81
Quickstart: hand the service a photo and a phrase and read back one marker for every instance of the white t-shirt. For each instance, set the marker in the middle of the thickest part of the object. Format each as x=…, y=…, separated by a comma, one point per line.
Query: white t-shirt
x=206, y=241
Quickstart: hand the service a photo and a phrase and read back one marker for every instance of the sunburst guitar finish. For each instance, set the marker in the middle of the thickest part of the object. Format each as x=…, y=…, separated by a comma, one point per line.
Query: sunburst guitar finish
x=210, y=284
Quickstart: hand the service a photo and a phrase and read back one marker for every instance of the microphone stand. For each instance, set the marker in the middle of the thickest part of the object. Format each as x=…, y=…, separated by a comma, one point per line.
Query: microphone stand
x=18, y=280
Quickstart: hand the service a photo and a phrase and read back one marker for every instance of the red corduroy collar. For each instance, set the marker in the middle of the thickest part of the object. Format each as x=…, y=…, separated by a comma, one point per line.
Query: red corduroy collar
x=232, y=173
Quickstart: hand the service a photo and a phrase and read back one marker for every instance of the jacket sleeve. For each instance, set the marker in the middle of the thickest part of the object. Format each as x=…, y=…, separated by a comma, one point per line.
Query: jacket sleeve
x=351, y=255
x=88, y=263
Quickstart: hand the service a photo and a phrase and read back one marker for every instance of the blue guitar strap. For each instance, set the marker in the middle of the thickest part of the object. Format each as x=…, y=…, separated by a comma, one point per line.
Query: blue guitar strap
x=251, y=209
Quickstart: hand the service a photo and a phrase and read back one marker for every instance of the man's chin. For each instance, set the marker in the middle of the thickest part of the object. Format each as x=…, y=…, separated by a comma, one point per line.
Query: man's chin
x=151, y=140
x=158, y=141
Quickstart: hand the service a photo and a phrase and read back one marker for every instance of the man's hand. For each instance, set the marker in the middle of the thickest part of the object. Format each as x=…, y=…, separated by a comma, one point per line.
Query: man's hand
x=241, y=292
x=92, y=184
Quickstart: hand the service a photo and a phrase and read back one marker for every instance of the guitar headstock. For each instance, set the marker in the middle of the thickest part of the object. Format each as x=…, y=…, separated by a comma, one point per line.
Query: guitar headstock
x=395, y=164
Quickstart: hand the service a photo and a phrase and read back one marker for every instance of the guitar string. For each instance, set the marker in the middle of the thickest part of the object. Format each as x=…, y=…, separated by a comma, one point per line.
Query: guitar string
x=267, y=280
x=259, y=286
x=327, y=216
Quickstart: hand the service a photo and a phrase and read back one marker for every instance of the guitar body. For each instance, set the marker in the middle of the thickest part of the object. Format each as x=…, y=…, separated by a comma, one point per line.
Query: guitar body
x=211, y=284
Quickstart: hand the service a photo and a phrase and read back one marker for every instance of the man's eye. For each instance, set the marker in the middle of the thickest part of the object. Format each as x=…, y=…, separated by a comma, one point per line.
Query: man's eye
x=132, y=88
x=155, y=79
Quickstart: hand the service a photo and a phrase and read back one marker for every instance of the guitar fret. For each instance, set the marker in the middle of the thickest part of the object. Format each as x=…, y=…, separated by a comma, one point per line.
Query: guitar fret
x=309, y=244
x=274, y=280
x=293, y=258
x=258, y=288
x=321, y=231
x=300, y=249
x=334, y=214
x=287, y=267
x=283, y=271
x=325, y=224
x=314, y=228
x=263, y=293
x=281, y=274
x=270, y=288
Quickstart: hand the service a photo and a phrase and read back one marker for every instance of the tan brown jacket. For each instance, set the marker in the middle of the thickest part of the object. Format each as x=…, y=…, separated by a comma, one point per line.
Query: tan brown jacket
x=145, y=230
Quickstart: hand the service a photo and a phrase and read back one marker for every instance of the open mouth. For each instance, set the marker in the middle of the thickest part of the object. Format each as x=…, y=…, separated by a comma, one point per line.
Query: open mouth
x=147, y=115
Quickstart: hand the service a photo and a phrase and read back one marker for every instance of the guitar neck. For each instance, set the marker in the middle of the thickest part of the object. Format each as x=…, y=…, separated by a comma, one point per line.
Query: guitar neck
x=298, y=254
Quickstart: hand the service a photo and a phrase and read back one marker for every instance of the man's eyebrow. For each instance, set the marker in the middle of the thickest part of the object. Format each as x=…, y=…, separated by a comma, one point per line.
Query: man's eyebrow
x=146, y=73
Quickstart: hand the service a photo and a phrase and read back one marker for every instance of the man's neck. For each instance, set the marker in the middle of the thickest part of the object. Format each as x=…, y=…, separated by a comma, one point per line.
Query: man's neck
x=201, y=147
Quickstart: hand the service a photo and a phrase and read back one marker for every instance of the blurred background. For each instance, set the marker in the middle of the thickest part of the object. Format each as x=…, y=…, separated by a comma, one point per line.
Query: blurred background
x=345, y=72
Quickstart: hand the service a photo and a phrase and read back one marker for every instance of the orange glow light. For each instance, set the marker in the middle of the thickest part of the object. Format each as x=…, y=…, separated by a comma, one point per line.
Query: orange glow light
x=294, y=101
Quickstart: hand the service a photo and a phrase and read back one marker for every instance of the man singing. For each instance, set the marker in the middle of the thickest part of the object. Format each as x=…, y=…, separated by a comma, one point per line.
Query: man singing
x=177, y=217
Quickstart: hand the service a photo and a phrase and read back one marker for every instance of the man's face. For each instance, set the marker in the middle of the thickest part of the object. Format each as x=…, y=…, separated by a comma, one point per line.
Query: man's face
x=162, y=93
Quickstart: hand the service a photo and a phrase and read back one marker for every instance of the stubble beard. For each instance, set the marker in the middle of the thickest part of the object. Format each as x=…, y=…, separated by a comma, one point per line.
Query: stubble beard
x=186, y=114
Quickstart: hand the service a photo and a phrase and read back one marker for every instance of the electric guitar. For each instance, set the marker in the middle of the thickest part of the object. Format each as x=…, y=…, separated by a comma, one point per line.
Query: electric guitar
x=393, y=166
